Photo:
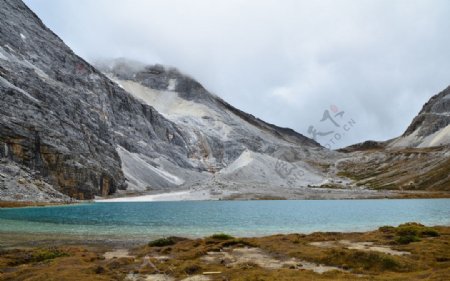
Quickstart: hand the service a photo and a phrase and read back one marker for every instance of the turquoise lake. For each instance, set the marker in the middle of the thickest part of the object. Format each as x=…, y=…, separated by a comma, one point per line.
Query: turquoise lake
x=240, y=218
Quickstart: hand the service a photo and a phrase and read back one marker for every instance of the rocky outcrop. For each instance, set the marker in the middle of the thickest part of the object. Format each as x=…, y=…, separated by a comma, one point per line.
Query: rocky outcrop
x=431, y=127
x=434, y=116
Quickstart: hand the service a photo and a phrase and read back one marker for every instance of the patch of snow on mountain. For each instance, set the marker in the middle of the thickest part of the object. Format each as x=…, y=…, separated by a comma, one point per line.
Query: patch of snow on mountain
x=166, y=102
x=440, y=137
x=252, y=167
x=243, y=160
x=407, y=141
x=172, y=85
x=141, y=174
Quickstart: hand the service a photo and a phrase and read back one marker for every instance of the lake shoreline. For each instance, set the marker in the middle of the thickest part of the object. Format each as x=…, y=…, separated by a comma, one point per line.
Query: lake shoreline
x=242, y=197
x=11, y=239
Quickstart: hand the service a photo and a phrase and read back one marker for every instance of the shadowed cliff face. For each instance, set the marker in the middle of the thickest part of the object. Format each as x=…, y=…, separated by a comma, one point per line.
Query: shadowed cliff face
x=61, y=117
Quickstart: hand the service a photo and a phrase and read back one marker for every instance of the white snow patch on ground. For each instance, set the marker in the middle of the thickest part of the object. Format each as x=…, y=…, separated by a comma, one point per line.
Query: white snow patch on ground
x=186, y=195
x=141, y=174
x=243, y=160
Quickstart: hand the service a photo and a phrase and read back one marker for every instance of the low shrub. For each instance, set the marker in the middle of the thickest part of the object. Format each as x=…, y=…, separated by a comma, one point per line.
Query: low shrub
x=236, y=242
x=412, y=232
x=361, y=260
x=162, y=242
x=38, y=255
x=387, y=229
x=406, y=239
x=221, y=236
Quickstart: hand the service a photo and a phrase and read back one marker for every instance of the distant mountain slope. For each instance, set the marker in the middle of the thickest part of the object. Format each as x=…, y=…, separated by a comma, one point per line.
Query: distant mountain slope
x=221, y=135
x=431, y=127
x=417, y=160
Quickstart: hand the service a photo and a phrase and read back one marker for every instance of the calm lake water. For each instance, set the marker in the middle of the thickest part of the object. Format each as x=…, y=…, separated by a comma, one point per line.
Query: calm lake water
x=240, y=218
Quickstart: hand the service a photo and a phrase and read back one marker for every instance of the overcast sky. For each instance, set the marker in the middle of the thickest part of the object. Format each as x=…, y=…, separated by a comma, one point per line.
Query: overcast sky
x=283, y=61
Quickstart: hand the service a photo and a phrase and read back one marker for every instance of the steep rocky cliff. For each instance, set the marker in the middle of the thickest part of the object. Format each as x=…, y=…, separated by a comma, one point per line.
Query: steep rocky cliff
x=61, y=117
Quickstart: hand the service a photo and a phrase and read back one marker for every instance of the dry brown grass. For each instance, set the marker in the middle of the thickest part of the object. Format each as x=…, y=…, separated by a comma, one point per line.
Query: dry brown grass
x=429, y=258
x=401, y=169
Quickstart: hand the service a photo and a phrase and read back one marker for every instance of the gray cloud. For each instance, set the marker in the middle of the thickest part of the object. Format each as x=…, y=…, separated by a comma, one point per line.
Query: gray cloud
x=283, y=61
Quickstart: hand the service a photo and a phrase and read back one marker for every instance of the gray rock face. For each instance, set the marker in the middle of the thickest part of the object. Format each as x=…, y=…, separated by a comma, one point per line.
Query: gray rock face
x=434, y=115
x=431, y=127
x=75, y=129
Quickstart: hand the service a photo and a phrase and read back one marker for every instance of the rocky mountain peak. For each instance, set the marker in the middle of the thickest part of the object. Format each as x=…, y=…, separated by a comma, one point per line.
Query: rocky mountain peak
x=434, y=116
x=431, y=127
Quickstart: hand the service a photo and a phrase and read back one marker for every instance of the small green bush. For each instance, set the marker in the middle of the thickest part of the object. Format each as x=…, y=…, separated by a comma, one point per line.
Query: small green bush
x=361, y=260
x=412, y=232
x=430, y=232
x=37, y=255
x=47, y=254
x=406, y=239
x=221, y=236
x=239, y=242
x=162, y=242
x=387, y=228
x=192, y=269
